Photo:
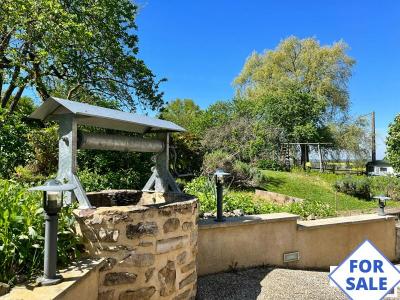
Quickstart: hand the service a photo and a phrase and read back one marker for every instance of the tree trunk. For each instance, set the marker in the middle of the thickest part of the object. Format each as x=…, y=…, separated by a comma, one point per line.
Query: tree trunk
x=16, y=99
x=304, y=155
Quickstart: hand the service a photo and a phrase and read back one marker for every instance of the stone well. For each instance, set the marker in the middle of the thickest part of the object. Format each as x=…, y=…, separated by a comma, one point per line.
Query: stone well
x=149, y=240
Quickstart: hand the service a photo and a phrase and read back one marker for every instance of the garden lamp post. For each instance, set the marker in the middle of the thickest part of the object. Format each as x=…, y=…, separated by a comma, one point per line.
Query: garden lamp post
x=52, y=202
x=382, y=203
x=219, y=180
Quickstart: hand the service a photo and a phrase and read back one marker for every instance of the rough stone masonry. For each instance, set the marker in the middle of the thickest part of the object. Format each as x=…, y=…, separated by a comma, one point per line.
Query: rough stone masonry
x=150, y=249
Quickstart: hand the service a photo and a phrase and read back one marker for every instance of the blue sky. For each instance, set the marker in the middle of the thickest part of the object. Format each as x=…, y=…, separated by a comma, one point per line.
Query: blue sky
x=200, y=46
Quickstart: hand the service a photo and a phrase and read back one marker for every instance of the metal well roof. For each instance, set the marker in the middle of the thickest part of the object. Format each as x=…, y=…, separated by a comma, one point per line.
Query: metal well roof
x=92, y=115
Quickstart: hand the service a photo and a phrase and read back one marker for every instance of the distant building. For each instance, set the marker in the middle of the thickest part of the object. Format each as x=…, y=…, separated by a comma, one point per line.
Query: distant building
x=380, y=168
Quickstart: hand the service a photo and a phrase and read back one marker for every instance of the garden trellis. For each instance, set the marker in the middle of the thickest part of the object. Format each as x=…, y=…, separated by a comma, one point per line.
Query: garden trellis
x=69, y=114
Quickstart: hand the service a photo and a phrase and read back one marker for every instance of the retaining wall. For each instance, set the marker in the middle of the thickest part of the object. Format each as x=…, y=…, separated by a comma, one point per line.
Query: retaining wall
x=263, y=239
x=149, y=251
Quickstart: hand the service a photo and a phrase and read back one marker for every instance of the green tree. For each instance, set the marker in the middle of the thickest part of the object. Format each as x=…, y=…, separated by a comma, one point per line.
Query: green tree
x=15, y=149
x=299, y=86
x=88, y=46
x=393, y=143
x=187, y=155
x=352, y=140
x=183, y=112
x=321, y=71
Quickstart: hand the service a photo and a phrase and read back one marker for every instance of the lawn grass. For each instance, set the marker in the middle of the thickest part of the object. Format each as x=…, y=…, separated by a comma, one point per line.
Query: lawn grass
x=318, y=186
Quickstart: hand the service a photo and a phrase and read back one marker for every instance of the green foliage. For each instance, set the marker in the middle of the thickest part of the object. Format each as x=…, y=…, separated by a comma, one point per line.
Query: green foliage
x=246, y=175
x=393, y=189
x=183, y=112
x=28, y=176
x=302, y=64
x=386, y=185
x=241, y=173
x=320, y=186
x=302, y=116
x=22, y=233
x=187, y=154
x=245, y=137
x=44, y=142
x=246, y=202
x=352, y=141
x=393, y=143
x=217, y=159
x=359, y=188
x=119, y=169
x=88, y=46
x=216, y=115
x=204, y=189
x=237, y=127
x=14, y=147
x=100, y=169
x=298, y=88
x=93, y=181
x=269, y=164
x=312, y=208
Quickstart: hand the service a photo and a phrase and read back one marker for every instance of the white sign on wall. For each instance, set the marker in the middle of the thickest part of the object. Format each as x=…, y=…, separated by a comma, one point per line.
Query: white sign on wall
x=366, y=274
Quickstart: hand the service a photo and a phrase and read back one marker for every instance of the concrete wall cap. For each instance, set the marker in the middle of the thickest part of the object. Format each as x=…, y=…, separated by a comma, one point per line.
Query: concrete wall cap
x=367, y=218
x=247, y=220
x=73, y=275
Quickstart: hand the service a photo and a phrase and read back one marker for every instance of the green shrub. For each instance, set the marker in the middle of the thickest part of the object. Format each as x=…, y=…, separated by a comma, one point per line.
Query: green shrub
x=246, y=175
x=27, y=175
x=308, y=208
x=387, y=185
x=246, y=202
x=241, y=173
x=44, y=142
x=359, y=188
x=204, y=189
x=22, y=233
x=14, y=147
x=393, y=143
x=121, y=170
x=393, y=189
x=217, y=159
x=94, y=181
x=242, y=201
x=268, y=164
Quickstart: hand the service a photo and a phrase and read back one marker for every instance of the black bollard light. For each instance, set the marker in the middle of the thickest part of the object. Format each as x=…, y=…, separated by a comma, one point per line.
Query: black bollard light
x=52, y=204
x=219, y=180
x=382, y=203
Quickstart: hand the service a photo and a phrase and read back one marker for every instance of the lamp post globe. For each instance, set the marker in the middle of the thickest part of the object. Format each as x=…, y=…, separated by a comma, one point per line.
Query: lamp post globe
x=52, y=203
x=219, y=175
x=381, y=203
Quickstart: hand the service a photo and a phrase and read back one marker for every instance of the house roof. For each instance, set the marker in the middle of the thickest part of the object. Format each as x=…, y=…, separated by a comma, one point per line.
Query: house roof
x=97, y=116
x=381, y=163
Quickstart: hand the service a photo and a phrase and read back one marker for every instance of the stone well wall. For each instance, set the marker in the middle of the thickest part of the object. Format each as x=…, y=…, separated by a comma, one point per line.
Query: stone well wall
x=150, y=248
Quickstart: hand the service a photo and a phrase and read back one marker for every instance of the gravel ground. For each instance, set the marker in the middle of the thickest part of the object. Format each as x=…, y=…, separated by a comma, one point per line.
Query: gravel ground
x=267, y=283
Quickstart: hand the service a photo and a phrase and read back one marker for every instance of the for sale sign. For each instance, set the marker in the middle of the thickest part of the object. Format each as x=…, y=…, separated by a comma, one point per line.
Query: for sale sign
x=366, y=274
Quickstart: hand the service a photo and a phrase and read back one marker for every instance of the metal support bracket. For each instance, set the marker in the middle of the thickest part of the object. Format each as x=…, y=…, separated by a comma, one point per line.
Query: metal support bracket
x=67, y=160
x=161, y=180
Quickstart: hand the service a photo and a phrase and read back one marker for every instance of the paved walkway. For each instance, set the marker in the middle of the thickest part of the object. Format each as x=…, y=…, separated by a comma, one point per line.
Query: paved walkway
x=268, y=284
